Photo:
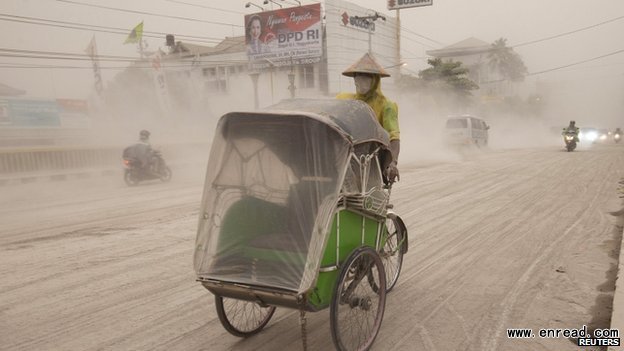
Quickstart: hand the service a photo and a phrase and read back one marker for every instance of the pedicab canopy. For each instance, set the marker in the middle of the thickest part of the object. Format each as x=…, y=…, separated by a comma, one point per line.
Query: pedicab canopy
x=272, y=187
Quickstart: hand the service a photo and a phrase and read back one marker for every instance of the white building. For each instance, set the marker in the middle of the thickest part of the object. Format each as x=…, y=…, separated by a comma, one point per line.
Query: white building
x=219, y=79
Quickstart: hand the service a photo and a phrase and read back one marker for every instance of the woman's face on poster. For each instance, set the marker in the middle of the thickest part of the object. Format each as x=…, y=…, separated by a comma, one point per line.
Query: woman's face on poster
x=255, y=29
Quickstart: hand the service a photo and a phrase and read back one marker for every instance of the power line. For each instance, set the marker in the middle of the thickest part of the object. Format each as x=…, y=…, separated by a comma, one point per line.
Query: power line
x=562, y=67
x=206, y=7
x=95, y=28
x=149, y=13
x=576, y=63
x=568, y=33
x=63, y=54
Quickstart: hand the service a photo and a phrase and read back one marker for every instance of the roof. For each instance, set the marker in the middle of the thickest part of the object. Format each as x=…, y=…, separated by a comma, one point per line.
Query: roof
x=353, y=118
x=6, y=90
x=227, y=45
x=469, y=46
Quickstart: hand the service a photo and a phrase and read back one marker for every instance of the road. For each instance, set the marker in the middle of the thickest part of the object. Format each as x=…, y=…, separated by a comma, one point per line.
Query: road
x=498, y=239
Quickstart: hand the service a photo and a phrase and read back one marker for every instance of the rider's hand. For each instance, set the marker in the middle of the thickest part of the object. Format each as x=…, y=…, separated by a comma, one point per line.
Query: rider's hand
x=392, y=172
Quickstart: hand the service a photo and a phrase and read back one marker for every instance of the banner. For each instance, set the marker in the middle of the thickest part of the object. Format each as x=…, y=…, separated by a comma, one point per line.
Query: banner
x=285, y=36
x=91, y=50
x=160, y=84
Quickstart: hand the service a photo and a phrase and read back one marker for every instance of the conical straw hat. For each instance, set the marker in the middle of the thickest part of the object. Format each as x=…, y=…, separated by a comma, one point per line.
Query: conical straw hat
x=367, y=64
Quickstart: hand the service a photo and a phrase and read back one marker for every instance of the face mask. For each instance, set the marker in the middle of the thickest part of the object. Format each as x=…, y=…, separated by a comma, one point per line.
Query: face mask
x=363, y=84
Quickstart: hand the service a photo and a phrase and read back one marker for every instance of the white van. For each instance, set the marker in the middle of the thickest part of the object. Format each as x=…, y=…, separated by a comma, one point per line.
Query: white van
x=466, y=130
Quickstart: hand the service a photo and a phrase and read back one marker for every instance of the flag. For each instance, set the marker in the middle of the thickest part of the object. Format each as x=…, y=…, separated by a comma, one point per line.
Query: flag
x=135, y=35
x=91, y=50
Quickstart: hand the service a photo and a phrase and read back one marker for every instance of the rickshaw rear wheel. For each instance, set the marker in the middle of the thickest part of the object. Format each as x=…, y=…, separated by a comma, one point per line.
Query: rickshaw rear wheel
x=357, y=309
x=242, y=318
x=393, y=250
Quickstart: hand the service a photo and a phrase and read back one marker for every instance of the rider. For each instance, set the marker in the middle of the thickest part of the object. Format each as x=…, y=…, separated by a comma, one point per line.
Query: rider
x=572, y=129
x=146, y=154
x=367, y=74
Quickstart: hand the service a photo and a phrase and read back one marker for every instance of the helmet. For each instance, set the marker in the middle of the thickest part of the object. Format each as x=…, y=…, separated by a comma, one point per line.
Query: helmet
x=367, y=64
x=144, y=134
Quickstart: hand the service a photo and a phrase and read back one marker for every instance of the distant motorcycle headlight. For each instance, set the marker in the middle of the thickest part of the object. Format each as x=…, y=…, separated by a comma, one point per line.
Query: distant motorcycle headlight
x=603, y=137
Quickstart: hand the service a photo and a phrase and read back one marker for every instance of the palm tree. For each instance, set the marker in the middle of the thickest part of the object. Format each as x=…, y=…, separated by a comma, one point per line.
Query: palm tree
x=506, y=61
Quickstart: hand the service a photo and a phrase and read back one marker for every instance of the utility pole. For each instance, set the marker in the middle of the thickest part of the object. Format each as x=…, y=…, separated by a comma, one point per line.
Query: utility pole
x=291, y=78
x=398, y=45
x=254, y=80
x=369, y=20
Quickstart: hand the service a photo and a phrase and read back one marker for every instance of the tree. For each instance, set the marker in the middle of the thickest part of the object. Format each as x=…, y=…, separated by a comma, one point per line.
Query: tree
x=448, y=75
x=506, y=61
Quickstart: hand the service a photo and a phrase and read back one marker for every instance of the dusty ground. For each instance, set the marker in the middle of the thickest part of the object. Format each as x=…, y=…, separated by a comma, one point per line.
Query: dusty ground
x=501, y=239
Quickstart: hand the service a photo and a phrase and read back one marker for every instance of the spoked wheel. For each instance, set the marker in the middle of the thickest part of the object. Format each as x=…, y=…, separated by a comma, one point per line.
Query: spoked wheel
x=357, y=308
x=392, y=251
x=242, y=318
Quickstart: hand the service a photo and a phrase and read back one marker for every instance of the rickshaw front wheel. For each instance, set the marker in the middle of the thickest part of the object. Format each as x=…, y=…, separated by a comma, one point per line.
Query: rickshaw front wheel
x=242, y=318
x=357, y=308
x=393, y=249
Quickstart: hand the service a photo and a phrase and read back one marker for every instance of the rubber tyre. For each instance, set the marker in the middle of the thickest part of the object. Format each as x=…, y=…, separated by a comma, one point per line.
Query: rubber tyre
x=130, y=179
x=242, y=318
x=392, y=252
x=357, y=309
x=166, y=174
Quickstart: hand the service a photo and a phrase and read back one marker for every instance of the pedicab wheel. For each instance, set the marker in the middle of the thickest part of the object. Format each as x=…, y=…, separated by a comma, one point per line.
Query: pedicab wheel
x=357, y=308
x=392, y=251
x=165, y=174
x=242, y=318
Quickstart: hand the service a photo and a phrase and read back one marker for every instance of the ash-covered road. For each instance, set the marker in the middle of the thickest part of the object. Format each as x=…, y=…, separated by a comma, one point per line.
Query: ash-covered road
x=501, y=239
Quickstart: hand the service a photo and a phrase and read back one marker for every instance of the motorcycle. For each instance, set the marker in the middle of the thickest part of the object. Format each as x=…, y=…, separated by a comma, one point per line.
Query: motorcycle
x=617, y=137
x=570, y=141
x=134, y=172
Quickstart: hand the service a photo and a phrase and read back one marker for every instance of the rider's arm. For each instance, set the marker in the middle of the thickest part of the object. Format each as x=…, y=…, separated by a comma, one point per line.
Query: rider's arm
x=390, y=120
x=395, y=148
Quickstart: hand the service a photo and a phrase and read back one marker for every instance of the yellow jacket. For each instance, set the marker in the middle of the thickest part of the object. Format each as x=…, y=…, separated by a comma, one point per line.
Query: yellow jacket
x=387, y=111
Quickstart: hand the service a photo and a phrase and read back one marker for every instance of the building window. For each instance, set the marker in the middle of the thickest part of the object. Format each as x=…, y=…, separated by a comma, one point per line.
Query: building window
x=210, y=72
x=216, y=79
x=306, y=76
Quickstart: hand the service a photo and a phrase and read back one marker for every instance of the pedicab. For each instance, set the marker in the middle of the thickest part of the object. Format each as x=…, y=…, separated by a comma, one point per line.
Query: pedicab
x=295, y=213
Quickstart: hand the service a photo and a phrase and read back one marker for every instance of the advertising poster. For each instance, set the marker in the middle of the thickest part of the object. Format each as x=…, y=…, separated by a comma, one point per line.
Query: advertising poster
x=284, y=37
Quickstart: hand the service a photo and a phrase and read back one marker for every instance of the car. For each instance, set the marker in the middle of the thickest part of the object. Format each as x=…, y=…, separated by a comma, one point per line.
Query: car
x=604, y=135
x=588, y=134
x=466, y=130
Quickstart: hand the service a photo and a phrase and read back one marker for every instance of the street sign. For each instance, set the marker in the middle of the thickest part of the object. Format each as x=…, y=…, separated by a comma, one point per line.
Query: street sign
x=403, y=4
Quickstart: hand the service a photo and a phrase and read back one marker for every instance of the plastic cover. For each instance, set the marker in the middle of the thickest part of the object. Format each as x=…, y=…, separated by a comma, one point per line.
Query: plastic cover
x=271, y=189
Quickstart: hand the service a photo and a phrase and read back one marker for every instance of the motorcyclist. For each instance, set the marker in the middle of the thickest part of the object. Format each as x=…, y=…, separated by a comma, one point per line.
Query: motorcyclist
x=367, y=74
x=617, y=135
x=572, y=129
x=145, y=152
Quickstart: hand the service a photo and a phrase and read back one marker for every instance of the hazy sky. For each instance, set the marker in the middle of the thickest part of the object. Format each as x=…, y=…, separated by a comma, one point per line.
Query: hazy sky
x=444, y=23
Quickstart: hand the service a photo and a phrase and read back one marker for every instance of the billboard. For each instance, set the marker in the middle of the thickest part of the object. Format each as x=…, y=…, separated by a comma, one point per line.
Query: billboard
x=281, y=37
x=403, y=4
x=68, y=113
